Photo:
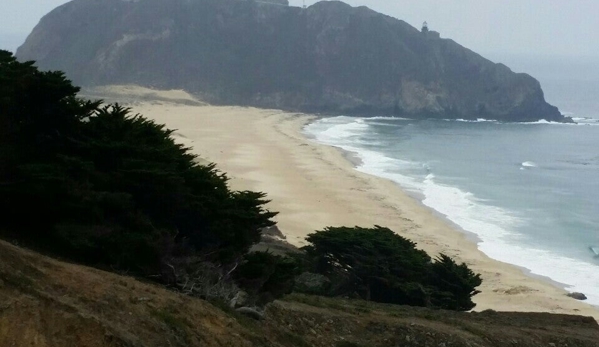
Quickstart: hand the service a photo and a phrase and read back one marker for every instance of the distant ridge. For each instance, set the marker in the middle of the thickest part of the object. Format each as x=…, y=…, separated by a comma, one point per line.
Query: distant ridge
x=330, y=58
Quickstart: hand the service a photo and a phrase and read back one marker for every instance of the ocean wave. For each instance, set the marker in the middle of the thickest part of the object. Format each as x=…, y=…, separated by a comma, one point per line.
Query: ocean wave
x=462, y=208
x=382, y=124
x=542, y=121
x=578, y=275
x=577, y=121
x=337, y=130
x=495, y=227
x=586, y=121
x=386, y=118
x=478, y=120
x=580, y=121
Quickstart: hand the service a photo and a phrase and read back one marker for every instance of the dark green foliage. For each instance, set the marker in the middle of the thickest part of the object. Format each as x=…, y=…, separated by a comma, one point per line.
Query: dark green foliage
x=266, y=276
x=38, y=110
x=377, y=264
x=455, y=283
x=99, y=185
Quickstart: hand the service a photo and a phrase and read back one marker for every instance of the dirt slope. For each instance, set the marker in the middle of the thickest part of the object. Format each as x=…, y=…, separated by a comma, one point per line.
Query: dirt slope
x=45, y=302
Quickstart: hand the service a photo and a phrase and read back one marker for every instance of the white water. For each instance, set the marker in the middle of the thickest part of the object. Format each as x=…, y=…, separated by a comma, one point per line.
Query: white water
x=495, y=227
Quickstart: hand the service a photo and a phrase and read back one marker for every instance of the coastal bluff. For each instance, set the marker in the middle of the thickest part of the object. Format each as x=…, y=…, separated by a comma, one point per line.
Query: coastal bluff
x=327, y=58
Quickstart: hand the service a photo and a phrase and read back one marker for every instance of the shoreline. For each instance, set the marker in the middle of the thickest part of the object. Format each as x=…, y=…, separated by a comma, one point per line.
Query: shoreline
x=353, y=159
x=314, y=185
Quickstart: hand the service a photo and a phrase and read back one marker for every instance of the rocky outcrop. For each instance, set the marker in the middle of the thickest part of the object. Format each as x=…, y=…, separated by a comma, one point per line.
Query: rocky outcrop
x=330, y=57
x=312, y=283
x=577, y=296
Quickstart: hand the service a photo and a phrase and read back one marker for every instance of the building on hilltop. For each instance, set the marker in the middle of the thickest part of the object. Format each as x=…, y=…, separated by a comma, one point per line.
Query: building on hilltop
x=430, y=34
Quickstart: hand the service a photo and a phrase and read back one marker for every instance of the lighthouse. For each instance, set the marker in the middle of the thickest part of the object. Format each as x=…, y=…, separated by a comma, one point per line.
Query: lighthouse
x=425, y=27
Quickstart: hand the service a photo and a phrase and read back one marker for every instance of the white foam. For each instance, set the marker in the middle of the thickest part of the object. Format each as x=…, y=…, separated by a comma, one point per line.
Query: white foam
x=586, y=121
x=382, y=124
x=577, y=121
x=387, y=118
x=541, y=121
x=337, y=131
x=583, y=121
x=343, y=132
x=377, y=164
x=478, y=120
x=495, y=227
x=529, y=164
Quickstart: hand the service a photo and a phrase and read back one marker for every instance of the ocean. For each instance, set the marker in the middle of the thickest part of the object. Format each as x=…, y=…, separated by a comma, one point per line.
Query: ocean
x=528, y=191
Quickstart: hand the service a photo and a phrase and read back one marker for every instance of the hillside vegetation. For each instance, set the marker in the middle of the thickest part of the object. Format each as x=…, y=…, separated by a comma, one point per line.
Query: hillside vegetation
x=48, y=303
x=113, y=190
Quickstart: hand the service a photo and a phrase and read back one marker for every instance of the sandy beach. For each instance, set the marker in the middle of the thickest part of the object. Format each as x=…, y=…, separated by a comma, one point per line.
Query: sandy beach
x=314, y=186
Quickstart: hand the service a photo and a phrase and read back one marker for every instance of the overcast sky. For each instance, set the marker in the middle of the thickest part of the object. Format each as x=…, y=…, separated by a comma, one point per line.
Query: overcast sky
x=533, y=27
x=494, y=28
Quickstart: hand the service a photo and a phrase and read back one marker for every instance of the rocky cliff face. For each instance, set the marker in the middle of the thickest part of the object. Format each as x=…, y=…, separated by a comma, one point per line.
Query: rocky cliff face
x=329, y=57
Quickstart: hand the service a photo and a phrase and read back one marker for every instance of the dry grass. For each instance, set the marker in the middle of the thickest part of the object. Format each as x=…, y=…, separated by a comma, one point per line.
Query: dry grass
x=44, y=302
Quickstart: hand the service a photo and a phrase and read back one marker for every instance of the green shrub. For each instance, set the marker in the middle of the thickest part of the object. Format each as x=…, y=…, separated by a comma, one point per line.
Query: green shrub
x=455, y=284
x=379, y=265
x=266, y=276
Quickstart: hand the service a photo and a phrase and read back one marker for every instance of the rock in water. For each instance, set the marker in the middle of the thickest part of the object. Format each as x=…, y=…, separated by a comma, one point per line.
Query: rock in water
x=577, y=296
x=330, y=58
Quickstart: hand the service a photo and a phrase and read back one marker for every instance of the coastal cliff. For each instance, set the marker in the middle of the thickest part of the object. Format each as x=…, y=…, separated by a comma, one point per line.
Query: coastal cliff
x=329, y=57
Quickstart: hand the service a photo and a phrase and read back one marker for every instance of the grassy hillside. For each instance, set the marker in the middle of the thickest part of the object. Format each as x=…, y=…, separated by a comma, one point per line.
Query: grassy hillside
x=45, y=302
